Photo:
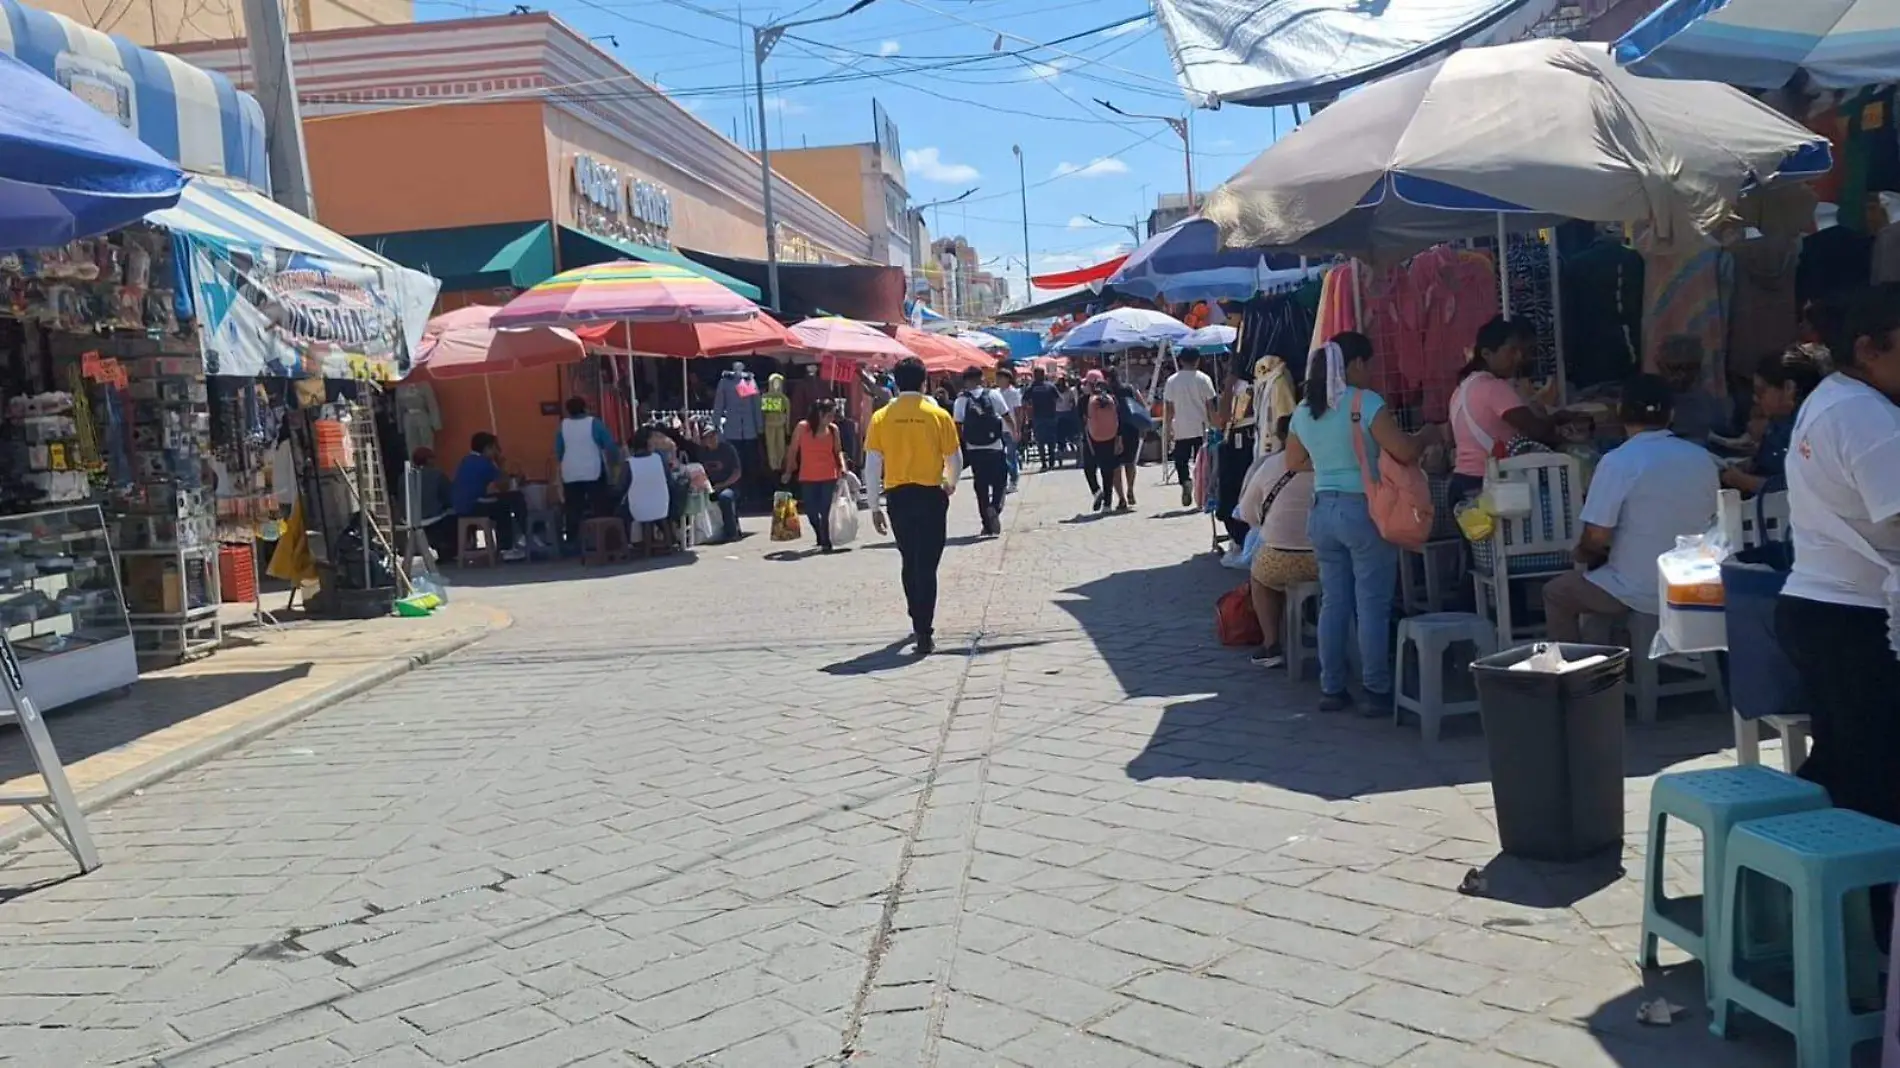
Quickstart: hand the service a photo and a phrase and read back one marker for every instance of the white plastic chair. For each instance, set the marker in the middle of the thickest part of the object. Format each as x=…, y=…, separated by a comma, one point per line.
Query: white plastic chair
x=1536, y=545
x=1739, y=522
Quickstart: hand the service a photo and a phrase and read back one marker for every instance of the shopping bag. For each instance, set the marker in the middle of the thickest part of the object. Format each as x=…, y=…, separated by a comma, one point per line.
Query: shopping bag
x=844, y=513
x=785, y=524
x=1234, y=618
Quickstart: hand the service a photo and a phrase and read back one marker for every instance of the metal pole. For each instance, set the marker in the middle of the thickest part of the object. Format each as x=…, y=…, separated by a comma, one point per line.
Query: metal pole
x=1557, y=322
x=276, y=85
x=1187, y=150
x=1022, y=185
x=763, y=39
x=1504, y=270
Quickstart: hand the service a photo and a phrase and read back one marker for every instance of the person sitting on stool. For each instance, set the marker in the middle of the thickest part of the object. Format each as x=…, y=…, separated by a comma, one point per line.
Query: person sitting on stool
x=483, y=489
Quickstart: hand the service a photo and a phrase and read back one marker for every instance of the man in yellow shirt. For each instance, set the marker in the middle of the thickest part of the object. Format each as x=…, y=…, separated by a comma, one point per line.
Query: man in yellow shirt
x=913, y=446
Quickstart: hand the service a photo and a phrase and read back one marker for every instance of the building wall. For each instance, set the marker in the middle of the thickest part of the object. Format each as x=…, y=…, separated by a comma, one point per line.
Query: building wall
x=835, y=174
x=430, y=168
x=165, y=22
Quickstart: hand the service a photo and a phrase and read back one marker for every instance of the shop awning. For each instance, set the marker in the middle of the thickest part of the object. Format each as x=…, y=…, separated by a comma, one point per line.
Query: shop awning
x=493, y=256
x=276, y=294
x=1081, y=276
x=1060, y=304
x=580, y=249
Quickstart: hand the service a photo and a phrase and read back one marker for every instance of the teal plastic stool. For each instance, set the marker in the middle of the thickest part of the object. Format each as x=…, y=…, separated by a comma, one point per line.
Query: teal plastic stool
x=1828, y=859
x=1713, y=801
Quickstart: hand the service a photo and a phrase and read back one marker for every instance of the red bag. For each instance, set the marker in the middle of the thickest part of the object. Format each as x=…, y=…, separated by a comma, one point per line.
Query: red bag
x=1104, y=420
x=1398, y=496
x=1234, y=619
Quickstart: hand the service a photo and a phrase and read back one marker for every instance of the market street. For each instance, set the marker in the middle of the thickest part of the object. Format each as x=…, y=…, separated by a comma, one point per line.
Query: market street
x=701, y=813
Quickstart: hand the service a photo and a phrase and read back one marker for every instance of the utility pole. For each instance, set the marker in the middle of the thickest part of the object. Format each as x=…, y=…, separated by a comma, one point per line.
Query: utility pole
x=1134, y=229
x=764, y=39
x=276, y=84
x=1022, y=186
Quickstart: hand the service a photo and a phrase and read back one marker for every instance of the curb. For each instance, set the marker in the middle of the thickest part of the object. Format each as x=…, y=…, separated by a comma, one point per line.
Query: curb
x=15, y=831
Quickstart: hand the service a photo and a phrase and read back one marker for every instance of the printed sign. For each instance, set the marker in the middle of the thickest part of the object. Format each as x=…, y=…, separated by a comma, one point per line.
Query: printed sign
x=609, y=203
x=289, y=314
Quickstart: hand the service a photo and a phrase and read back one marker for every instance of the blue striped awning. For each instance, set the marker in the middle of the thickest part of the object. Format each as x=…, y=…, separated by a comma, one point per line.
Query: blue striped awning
x=195, y=118
x=230, y=215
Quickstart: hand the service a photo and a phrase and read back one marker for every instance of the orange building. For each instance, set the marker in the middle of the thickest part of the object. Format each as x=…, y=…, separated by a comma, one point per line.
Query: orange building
x=491, y=152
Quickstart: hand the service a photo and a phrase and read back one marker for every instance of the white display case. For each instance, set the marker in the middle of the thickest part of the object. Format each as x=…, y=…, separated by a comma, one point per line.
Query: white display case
x=61, y=604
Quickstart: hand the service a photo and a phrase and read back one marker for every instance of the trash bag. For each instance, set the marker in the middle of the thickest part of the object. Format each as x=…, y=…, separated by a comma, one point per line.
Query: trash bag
x=844, y=513
x=785, y=524
x=1234, y=620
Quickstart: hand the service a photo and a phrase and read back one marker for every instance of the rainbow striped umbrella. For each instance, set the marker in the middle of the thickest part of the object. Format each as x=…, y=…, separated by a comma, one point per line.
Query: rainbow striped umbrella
x=629, y=292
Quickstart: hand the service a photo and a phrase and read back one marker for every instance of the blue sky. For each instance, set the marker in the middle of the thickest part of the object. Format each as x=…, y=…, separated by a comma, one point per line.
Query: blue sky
x=956, y=123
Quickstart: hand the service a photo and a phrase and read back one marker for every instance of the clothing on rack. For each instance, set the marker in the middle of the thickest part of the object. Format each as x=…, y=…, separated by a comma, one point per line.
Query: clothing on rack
x=736, y=406
x=418, y=414
x=1338, y=306
x=1834, y=262
x=1279, y=325
x=1423, y=316
x=1273, y=399
x=1688, y=294
x=1602, y=286
x=1533, y=297
x=1763, y=318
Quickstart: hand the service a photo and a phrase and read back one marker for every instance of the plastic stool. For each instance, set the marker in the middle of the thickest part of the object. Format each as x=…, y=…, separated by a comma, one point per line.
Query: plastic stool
x=1647, y=687
x=1431, y=637
x=483, y=543
x=544, y=524
x=604, y=541
x=1293, y=629
x=1714, y=802
x=1829, y=859
x=1426, y=593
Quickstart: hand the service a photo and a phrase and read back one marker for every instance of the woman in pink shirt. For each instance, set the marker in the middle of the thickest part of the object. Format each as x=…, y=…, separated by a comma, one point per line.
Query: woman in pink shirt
x=1486, y=409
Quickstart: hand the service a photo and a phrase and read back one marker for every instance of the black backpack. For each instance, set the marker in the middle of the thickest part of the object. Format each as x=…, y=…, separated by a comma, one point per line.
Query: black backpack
x=982, y=425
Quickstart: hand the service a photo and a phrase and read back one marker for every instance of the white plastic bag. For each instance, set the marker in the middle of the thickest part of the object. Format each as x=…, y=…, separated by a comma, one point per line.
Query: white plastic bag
x=1689, y=591
x=844, y=511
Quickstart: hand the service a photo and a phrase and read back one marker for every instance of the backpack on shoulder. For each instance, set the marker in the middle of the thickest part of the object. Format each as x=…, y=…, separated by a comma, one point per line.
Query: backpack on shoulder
x=1104, y=420
x=982, y=426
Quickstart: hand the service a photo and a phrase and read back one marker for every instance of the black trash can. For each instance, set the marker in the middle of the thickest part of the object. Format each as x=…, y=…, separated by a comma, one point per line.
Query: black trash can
x=1556, y=746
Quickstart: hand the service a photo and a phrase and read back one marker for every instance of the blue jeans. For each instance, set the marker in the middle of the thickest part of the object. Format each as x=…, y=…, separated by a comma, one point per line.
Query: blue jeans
x=1358, y=572
x=1045, y=434
x=728, y=502
x=1015, y=461
x=817, y=500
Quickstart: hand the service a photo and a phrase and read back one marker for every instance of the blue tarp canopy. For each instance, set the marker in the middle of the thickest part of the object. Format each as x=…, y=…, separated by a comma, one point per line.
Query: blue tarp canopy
x=1841, y=44
x=66, y=171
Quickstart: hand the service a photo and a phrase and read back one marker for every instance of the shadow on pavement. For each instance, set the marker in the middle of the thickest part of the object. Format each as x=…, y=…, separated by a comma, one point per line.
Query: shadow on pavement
x=1751, y=1043
x=102, y=724
x=1548, y=886
x=1229, y=721
x=893, y=656
x=536, y=572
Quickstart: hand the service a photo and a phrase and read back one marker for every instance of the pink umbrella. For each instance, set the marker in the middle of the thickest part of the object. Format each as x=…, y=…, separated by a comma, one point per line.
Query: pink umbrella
x=838, y=338
x=464, y=343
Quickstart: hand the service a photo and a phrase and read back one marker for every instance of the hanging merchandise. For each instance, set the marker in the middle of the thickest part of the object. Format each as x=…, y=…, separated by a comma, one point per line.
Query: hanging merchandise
x=1533, y=297
x=1602, y=289
x=1689, y=295
x=119, y=281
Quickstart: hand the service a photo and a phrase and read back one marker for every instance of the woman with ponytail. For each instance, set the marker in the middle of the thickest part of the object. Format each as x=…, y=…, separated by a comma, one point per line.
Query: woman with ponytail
x=1358, y=569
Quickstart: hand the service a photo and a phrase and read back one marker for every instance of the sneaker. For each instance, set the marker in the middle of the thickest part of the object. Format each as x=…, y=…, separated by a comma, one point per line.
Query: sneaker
x=1234, y=560
x=1377, y=706
x=925, y=645
x=1336, y=702
x=988, y=515
x=513, y=556
x=1126, y=506
x=1272, y=656
x=1187, y=496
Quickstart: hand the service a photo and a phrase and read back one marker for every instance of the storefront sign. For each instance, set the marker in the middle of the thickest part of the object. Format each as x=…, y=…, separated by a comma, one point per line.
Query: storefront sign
x=290, y=314
x=794, y=247
x=611, y=204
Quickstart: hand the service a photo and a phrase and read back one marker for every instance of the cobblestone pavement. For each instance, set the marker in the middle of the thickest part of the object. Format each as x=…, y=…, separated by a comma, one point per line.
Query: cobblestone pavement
x=704, y=814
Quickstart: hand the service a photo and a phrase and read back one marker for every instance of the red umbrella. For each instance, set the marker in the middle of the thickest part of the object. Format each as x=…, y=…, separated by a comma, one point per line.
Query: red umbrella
x=691, y=341
x=941, y=354
x=834, y=337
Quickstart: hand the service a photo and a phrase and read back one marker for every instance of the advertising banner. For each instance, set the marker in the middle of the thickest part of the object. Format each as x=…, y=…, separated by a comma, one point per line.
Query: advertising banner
x=269, y=312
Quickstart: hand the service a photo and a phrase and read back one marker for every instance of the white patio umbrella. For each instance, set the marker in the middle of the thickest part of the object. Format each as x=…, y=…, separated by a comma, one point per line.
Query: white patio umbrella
x=1120, y=329
x=1518, y=136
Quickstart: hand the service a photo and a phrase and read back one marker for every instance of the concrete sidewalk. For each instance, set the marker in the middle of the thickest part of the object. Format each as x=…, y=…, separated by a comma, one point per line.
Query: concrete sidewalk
x=265, y=678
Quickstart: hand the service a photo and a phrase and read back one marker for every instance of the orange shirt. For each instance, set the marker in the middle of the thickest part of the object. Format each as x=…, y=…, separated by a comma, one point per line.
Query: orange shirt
x=817, y=456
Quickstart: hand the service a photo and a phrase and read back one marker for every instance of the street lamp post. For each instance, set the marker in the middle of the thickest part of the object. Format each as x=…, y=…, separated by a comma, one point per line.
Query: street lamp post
x=1182, y=129
x=764, y=39
x=1022, y=188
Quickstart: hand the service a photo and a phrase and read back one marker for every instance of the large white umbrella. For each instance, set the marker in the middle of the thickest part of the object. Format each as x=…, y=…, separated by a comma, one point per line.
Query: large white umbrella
x=1530, y=133
x=1120, y=329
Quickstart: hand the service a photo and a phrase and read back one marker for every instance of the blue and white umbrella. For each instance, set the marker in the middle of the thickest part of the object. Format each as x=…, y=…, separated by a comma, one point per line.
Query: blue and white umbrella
x=1841, y=44
x=66, y=171
x=1121, y=329
x=1218, y=336
x=1186, y=262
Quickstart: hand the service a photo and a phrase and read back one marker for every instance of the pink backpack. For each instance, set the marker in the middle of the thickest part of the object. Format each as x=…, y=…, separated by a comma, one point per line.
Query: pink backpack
x=1398, y=496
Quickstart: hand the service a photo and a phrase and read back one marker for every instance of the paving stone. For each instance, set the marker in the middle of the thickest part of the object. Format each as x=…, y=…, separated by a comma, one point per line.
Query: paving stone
x=1177, y=1035
x=1355, y=1038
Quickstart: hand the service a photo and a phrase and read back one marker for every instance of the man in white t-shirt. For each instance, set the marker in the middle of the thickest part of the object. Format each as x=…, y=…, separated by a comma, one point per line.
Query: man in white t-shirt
x=1647, y=492
x=1188, y=399
x=1012, y=423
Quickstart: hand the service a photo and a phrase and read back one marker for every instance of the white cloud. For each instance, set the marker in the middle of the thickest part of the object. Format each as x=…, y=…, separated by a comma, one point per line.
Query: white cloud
x=1080, y=222
x=929, y=164
x=1046, y=72
x=1099, y=167
x=1127, y=28
x=779, y=105
x=889, y=48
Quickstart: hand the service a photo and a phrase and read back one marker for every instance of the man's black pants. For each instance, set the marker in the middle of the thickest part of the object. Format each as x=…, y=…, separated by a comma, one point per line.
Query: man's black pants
x=989, y=469
x=1184, y=451
x=919, y=517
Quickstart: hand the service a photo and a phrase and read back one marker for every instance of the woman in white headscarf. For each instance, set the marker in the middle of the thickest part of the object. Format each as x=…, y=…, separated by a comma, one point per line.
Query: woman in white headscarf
x=1358, y=570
